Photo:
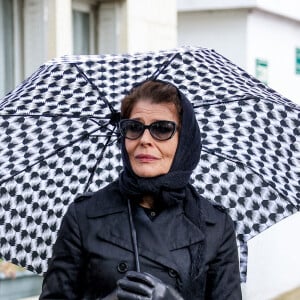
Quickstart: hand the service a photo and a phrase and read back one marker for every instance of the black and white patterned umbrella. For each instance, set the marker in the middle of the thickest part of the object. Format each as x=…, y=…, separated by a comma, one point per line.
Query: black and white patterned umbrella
x=58, y=139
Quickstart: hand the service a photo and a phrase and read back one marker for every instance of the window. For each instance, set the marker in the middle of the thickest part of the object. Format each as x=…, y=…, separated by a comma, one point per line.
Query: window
x=84, y=33
x=96, y=26
x=6, y=47
x=22, y=41
x=81, y=32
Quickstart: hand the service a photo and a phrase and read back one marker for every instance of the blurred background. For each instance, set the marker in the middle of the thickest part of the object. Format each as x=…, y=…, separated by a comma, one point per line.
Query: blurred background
x=261, y=36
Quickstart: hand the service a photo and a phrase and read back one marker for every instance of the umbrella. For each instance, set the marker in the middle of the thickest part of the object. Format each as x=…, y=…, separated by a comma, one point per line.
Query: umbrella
x=58, y=139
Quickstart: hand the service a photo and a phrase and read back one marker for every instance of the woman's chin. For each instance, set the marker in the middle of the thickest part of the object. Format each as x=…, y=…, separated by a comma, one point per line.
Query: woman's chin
x=148, y=173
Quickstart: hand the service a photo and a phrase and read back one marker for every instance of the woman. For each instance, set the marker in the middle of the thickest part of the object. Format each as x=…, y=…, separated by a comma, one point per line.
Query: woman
x=186, y=248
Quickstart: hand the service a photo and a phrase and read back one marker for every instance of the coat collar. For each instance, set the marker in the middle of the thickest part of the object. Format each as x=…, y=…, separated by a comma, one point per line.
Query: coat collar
x=117, y=203
x=209, y=212
x=106, y=201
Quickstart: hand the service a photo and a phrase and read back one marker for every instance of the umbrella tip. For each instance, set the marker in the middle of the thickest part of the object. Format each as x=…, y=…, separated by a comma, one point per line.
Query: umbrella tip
x=114, y=118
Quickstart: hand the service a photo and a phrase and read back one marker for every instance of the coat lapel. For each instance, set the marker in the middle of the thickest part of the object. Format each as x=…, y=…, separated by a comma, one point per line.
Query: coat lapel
x=111, y=216
x=170, y=231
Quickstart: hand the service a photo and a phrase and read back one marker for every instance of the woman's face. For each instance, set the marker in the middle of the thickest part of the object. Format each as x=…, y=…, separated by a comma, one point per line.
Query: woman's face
x=149, y=157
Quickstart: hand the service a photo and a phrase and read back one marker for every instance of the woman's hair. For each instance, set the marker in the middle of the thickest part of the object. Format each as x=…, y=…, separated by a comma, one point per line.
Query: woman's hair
x=157, y=91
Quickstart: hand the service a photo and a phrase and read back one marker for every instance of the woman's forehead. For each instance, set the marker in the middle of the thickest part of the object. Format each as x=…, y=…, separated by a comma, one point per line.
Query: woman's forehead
x=146, y=108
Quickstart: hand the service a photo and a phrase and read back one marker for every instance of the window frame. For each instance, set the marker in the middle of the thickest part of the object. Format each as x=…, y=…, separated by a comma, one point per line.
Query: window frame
x=17, y=67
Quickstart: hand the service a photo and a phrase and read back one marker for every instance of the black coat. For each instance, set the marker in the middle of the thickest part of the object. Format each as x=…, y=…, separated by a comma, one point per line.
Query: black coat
x=94, y=249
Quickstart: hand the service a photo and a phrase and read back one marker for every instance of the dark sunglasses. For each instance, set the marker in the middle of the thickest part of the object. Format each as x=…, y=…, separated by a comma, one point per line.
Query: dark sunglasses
x=159, y=130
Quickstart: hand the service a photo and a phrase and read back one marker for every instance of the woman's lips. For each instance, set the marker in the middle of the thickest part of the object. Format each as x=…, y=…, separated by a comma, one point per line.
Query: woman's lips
x=145, y=158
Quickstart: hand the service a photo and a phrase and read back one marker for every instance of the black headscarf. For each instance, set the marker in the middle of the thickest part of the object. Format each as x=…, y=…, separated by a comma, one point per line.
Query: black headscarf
x=166, y=187
x=174, y=187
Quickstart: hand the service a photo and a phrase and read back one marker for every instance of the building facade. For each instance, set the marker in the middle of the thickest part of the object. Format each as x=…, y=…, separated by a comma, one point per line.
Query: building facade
x=34, y=31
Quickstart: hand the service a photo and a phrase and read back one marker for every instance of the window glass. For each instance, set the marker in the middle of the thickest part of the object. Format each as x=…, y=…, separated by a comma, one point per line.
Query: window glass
x=81, y=32
x=6, y=47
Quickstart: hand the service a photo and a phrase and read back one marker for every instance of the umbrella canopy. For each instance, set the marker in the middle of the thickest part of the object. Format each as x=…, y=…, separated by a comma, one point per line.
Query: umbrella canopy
x=58, y=139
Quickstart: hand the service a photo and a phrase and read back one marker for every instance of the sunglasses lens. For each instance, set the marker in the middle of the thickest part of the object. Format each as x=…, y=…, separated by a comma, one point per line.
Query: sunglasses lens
x=131, y=129
x=162, y=130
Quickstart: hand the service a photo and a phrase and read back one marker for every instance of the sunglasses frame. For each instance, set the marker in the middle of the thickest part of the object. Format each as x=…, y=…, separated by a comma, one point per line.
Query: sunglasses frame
x=147, y=127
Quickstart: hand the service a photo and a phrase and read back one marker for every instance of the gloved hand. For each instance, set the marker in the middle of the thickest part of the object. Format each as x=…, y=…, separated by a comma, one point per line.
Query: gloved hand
x=144, y=286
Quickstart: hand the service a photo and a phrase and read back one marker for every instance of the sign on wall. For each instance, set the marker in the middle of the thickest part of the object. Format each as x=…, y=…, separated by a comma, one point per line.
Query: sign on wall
x=298, y=61
x=261, y=70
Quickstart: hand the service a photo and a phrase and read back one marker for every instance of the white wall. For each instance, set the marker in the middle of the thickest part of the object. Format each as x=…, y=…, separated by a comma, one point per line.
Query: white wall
x=59, y=32
x=152, y=25
x=289, y=8
x=35, y=41
x=189, y=5
x=224, y=31
x=275, y=39
x=243, y=30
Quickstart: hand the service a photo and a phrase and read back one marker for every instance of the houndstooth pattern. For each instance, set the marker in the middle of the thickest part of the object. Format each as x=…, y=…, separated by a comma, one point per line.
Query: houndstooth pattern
x=56, y=125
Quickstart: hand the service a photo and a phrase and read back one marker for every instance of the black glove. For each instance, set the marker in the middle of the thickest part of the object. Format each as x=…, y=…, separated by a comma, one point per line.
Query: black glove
x=143, y=286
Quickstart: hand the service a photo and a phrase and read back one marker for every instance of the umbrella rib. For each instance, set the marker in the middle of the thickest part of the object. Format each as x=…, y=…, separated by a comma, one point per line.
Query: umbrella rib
x=112, y=131
x=207, y=102
x=246, y=97
x=98, y=160
x=54, y=153
x=163, y=66
x=102, y=96
x=247, y=166
x=54, y=116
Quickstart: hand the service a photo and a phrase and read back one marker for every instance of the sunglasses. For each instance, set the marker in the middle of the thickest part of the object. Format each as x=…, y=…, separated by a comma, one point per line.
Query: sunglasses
x=159, y=130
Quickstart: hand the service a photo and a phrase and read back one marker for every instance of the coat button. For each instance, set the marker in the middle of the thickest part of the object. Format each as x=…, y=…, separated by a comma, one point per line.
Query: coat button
x=122, y=267
x=172, y=273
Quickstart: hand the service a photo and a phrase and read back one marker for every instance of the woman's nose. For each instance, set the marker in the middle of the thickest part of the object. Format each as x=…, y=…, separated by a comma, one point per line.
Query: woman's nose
x=146, y=137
